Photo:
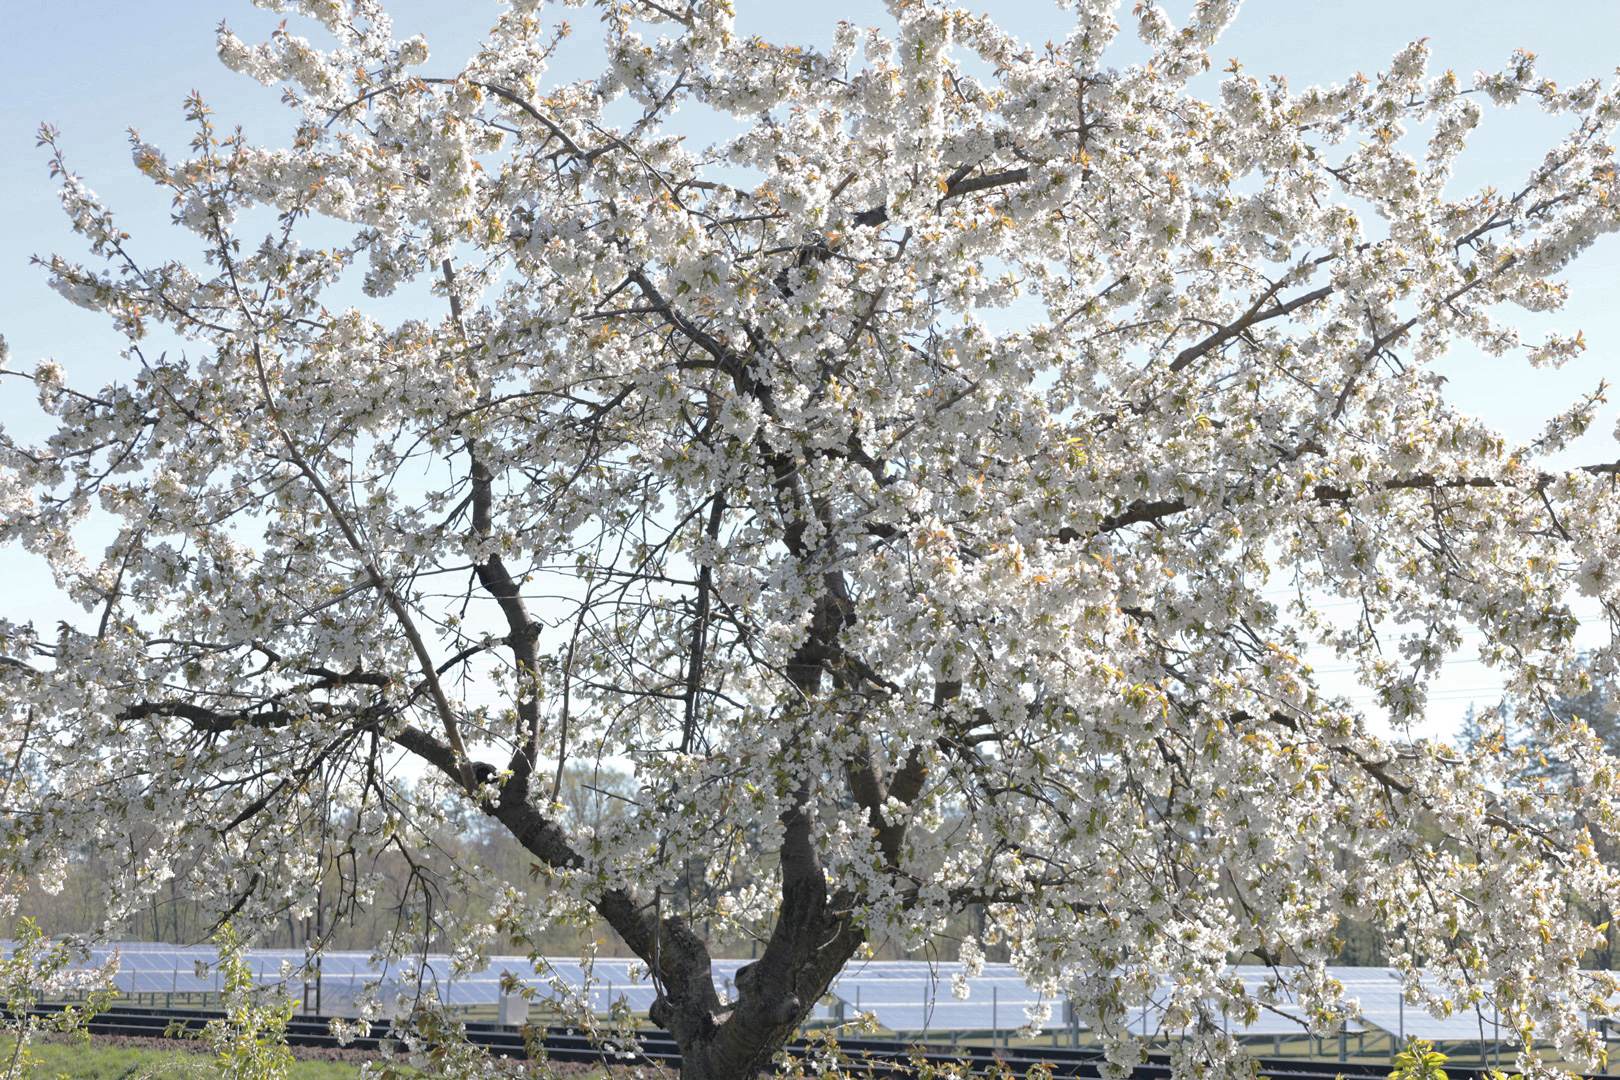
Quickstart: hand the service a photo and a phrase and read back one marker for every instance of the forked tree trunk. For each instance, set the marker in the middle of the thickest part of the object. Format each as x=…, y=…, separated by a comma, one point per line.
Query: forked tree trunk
x=813, y=939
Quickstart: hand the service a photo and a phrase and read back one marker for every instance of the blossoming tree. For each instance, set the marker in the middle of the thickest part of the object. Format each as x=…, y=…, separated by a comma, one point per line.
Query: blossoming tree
x=901, y=482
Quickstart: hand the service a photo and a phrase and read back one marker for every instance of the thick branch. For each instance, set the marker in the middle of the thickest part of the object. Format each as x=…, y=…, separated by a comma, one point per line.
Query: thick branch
x=395, y=604
x=1251, y=317
x=1142, y=511
x=700, y=630
x=986, y=182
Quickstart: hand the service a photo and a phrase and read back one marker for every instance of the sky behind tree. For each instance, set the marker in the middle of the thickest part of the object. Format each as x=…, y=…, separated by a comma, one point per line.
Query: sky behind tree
x=95, y=68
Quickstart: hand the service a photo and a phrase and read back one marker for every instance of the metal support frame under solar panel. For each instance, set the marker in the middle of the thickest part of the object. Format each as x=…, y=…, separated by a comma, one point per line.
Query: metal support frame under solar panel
x=872, y=1057
x=907, y=998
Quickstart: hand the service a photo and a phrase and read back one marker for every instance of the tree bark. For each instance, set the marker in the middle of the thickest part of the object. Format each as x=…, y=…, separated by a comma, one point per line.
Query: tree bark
x=814, y=936
x=812, y=941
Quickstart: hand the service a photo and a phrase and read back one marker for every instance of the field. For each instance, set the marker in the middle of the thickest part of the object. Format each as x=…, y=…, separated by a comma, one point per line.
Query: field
x=109, y=1057
x=103, y=1060
x=124, y=1058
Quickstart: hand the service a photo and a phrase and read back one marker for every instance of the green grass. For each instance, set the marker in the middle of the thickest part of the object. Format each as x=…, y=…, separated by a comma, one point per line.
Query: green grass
x=53, y=1060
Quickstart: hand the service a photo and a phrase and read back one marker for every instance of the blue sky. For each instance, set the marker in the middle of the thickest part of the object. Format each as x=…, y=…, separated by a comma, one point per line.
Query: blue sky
x=93, y=68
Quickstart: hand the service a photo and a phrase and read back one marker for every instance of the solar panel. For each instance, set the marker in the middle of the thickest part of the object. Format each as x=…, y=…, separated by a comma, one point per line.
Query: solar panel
x=1282, y=1020
x=914, y=997
x=905, y=996
x=1379, y=993
x=953, y=1015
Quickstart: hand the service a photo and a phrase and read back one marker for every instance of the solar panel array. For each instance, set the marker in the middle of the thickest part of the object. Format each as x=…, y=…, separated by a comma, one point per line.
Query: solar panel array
x=1376, y=997
x=904, y=996
x=1378, y=991
x=911, y=996
x=147, y=968
x=1280, y=1017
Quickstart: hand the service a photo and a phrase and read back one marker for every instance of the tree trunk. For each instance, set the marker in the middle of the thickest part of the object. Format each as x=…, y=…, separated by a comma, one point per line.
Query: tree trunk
x=812, y=941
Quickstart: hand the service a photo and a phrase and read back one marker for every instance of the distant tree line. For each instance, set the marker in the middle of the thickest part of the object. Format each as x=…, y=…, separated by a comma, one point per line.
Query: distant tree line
x=592, y=796
x=1598, y=707
x=595, y=795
